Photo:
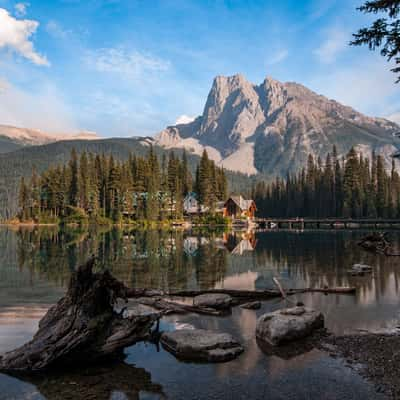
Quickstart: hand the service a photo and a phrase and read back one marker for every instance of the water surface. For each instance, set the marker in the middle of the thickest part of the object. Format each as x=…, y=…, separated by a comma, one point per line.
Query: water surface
x=35, y=265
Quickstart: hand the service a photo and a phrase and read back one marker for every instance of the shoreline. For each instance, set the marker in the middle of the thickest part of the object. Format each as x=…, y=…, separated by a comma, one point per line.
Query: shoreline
x=375, y=356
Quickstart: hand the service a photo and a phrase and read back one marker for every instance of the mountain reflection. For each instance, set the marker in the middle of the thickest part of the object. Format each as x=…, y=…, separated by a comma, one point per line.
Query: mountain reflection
x=38, y=262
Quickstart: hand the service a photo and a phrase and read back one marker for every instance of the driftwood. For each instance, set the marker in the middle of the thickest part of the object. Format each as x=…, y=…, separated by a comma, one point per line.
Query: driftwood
x=378, y=243
x=283, y=293
x=82, y=326
x=263, y=294
x=171, y=307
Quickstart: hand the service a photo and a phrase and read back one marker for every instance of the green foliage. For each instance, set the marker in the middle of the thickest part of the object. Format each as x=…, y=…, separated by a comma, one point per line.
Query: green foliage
x=211, y=183
x=100, y=189
x=211, y=219
x=353, y=187
x=75, y=215
x=384, y=33
x=39, y=159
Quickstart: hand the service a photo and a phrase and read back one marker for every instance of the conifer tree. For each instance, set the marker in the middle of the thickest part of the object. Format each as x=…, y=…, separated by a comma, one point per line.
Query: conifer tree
x=73, y=192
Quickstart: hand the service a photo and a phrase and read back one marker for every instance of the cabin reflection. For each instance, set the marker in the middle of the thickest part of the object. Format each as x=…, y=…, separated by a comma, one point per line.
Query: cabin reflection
x=238, y=243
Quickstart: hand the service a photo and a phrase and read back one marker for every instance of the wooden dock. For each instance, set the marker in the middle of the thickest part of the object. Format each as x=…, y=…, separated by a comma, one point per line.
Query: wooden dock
x=310, y=223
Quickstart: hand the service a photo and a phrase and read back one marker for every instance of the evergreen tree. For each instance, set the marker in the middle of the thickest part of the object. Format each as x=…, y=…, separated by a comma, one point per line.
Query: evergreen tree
x=73, y=192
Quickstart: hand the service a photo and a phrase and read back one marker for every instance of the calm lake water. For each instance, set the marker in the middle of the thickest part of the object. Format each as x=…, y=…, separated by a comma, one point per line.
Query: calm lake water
x=35, y=265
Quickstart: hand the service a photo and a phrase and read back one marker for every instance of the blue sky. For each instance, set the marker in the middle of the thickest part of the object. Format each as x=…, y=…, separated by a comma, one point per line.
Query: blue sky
x=127, y=67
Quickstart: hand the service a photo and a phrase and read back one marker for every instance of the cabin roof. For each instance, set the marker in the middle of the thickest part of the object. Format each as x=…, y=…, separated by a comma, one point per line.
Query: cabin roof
x=243, y=204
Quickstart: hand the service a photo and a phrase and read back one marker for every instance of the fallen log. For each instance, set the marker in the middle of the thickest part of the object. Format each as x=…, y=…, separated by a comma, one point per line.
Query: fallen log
x=171, y=307
x=262, y=294
x=82, y=326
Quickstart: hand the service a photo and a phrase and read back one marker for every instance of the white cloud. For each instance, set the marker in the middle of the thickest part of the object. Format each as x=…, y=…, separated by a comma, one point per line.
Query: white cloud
x=15, y=35
x=131, y=64
x=278, y=57
x=184, y=119
x=337, y=40
x=21, y=9
x=42, y=108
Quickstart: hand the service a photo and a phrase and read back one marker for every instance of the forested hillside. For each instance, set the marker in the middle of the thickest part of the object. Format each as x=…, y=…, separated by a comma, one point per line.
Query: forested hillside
x=98, y=189
x=22, y=162
x=7, y=145
x=354, y=187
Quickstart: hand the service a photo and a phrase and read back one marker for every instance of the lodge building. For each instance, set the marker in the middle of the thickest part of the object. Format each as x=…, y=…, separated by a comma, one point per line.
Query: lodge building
x=236, y=207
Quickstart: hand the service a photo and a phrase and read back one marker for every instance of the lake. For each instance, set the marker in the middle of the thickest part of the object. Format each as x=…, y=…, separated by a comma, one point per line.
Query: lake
x=35, y=265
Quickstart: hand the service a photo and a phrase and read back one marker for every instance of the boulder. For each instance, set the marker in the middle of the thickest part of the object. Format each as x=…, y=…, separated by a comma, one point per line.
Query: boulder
x=218, y=301
x=201, y=345
x=288, y=324
x=253, y=305
x=360, y=269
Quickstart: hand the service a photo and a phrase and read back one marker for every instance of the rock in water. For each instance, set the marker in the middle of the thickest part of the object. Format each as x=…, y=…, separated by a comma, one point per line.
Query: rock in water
x=360, y=269
x=201, y=345
x=288, y=324
x=253, y=305
x=218, y=301
x=83, y=326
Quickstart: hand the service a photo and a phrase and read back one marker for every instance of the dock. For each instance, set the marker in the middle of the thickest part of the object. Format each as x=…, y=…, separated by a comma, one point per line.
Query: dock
x=333, y=223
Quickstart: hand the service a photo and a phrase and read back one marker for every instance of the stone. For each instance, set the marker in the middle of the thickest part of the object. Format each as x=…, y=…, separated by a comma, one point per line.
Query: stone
x=273, y=126
x=288, y=324
x=218, y=301
x=360, y=269
x=253, y=305
x=201, y=345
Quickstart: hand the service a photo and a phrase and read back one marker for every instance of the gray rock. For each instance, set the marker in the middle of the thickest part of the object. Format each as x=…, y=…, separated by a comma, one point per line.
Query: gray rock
x=253, y=305
x=218, y=301
x=274, y=126
x=201, y=345
x=360, y=269
x=288, y=324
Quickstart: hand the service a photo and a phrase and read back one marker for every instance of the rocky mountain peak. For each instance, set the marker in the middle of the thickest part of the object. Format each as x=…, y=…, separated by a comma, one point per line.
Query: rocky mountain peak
x=272, y=127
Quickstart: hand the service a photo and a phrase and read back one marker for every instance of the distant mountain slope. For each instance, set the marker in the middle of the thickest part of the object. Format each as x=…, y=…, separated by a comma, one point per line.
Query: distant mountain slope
x=12, y=138
x=20, y=163
x=272, y=127
x=7, y=145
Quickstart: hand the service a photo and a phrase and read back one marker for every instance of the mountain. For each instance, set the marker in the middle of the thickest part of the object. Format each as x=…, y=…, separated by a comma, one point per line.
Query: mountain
x=13, y=138
x=271, y=128
x=15, y=164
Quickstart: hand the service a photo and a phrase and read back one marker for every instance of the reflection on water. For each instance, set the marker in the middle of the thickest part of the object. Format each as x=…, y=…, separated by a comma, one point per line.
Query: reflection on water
x=116, y=380
x=35, y=265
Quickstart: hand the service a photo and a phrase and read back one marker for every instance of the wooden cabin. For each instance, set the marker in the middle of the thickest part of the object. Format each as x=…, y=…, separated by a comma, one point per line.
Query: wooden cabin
x=237, y=207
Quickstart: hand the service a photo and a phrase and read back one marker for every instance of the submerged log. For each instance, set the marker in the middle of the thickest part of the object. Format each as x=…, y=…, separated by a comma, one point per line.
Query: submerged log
x=263, y=294
x=171, y=307
x=82, y=326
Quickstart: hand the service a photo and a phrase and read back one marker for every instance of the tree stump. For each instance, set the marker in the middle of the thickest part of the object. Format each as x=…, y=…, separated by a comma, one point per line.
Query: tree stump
x=83, y=326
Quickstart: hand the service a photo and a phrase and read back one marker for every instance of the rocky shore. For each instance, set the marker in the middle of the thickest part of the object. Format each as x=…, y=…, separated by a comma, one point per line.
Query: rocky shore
x=375, y=356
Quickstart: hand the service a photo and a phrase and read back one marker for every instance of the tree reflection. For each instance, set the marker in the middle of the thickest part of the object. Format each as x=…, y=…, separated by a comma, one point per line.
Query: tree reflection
x=188, y=260
x=96, y=382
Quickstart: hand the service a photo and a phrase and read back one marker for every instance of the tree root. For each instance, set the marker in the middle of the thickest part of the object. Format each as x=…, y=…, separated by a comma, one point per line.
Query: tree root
x=82, y=326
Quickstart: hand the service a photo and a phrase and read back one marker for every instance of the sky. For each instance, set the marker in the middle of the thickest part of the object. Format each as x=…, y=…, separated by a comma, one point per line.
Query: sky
x=133, y=67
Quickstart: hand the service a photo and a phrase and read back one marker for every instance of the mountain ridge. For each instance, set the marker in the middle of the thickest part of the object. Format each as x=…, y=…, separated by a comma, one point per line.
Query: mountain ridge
x=12, y=137
x=271, y=128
